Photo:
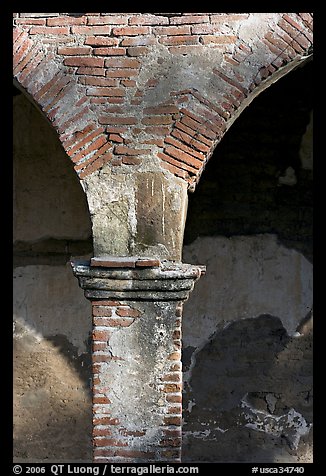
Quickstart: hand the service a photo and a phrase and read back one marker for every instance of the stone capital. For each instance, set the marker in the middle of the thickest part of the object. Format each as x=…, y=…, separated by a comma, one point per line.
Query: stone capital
x=133, y=278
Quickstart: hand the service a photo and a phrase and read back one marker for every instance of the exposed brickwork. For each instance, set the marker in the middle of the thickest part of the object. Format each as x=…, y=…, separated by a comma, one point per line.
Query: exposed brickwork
x=102, y=58
x=111, y=434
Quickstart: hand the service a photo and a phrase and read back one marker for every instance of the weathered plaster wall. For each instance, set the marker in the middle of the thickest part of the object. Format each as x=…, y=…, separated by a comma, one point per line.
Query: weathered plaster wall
x=247, y=328
x=52, y=319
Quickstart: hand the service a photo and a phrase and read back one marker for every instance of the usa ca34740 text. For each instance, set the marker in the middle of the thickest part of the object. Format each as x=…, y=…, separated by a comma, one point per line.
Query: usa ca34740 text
x=281, y=470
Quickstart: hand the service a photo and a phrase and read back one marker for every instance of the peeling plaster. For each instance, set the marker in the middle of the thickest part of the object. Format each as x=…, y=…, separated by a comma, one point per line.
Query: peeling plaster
x=291, y=425
x=247, y=276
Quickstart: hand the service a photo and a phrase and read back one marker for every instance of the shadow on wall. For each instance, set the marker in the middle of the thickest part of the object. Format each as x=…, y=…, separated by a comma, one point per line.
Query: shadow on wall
x=52, y=354
x=51, y=404
x=257, y=404
x=247, y=372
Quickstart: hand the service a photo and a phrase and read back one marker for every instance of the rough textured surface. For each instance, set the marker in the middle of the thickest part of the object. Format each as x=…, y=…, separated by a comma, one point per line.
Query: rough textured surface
x=52, y=400
x=256, y=405
x=40, y=164
x=137, y=375
x=52, y=320
x=139, y=103
x=247, y=370
x=134, y=93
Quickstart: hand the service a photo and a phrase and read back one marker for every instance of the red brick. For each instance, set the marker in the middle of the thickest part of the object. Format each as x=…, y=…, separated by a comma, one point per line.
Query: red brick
x=97, y=160
x=128, y=83
x=122, y=73
x=117, y=120
x=108, y=20
x=103, y=91
x=127, y=312
x=135, y=433
x=101, y=432
x=176, y=163
x=131, y=31
x=185, y=50
x=175, y=170
x=179, y=40
x=183, y=157
x=188, y=139
x=56, y=92
x=109, y=51
x=115, y=138
x=175, y=410
x=122, y=63
x=23, y=50
x=174, y=398
x=101, y=400
x=72, y=120
x=229, y=17
x=219, y=40
x=101, y=336
x=99, y=346
x=165, y=109
x=280, y=43
x=49, y=30
x=101, y=41
x=104, y=302
x=60, y=21
x=203, y=29
x=139, y=41
x=138, y=50
x=158, y=130
x=58, y=76
x=292, y=43
x=105, y=421
x=143, y=19
x=175, y=433
x=81, y=61
x=185, y=148
x=158, y=142
x=119, y=322
x=17, y=33
x=171, y=377
x=147, y=262
x=128, y=160
x=98, y=81
x=102, y=311
x=172, y=420
x=74, y=50
x=96, y=164
x=171, y=442
x=31, y=54
x=91, y=71
x=116, y=129
x=293, y=32
x=85, y=140
x=109, y=442
x=153, y=120
x=124, y=150
x=175, y=356
x=30, y=21
x=100, y=321
x=91, y=30
x=197, y=128
x=91, y=147
x=172, y=30
x=189, y=19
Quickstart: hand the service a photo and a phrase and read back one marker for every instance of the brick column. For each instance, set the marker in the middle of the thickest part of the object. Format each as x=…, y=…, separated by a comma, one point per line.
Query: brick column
x=137, y=374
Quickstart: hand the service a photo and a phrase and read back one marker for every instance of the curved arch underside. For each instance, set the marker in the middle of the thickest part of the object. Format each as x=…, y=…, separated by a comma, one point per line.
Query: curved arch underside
x=152, y=92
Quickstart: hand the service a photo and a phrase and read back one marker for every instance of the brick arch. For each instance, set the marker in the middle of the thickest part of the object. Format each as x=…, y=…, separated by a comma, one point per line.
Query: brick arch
x=152, y=91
